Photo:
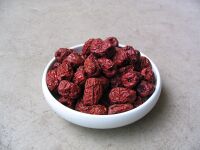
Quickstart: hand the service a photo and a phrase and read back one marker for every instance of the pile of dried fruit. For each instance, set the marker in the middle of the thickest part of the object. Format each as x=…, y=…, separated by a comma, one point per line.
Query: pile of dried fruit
x=103, y=79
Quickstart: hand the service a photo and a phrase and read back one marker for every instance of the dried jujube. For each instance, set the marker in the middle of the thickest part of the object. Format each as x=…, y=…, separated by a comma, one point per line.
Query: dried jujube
x=120, y=95
x=79, y=76
x=145, y=89
x=119, y=108
x=66, y=101
x=66, y=88
x=99, y=47
x=91, y=66
x=113, y=41
x=62, y=53
x=74, y=59
x=64, y=71
x=94, y=109
x=131, y=79
x=133, y=54
x=120, y=58
x=103, y=79
x=86, y=47
x=144, y=62
x=93, y=91
x=52, y=80
x=107, y=67
x=148, y=74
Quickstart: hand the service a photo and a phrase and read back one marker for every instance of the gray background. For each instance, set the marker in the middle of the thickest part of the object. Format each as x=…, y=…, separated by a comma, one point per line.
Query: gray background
x=167, y=31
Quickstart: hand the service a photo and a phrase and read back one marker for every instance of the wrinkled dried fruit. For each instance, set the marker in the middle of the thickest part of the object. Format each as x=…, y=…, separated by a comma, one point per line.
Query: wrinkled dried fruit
x=144, y=62
x=66, y=101
x=94, y=109
x=74, y=59
x=130, y=79
x=93, y=91
x=120, y=95
x=113, y=41
x=145, y=89
x=62, y=53
x=99, y=47
x=107, y=66
x=119, y=108
x=148, y=74
x=103, y=76
x=91, y=66
x=66, y=88
x=51, y=79
x=79, y=76
x=86, y=47
x=64, y=71
x=133, y=55
x=120, y=57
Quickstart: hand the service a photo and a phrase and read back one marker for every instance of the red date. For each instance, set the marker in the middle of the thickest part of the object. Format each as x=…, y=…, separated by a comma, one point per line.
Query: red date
x=51, y=79
x=91, y=66
x=74, y=59
x=119, y=108
x=66, y=101
x=92, y=92
x=66, y=88
x=86, y=47
x=148, y=74
x=145, y=89
x=79, y=76
x=120, y=57
x=133, y=54
x=113, y=41
x=144, y=62
x=131, y=79
x=107, y=66
x=62, y=53
x=99, y=47
x=94, y=109
x=120, y=95
x=65, y=71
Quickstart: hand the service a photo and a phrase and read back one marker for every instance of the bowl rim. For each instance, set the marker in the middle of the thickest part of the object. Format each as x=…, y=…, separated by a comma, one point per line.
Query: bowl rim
x=65, y=108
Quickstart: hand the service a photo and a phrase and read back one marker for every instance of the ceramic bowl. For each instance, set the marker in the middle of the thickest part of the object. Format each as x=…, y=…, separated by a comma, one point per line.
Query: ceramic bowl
x=101, y=121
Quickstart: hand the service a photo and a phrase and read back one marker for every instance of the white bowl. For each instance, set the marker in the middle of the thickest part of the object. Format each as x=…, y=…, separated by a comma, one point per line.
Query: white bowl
x=101, y=121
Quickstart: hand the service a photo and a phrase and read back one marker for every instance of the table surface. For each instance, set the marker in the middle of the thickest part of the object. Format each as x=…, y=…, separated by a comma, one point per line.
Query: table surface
x=167, y=31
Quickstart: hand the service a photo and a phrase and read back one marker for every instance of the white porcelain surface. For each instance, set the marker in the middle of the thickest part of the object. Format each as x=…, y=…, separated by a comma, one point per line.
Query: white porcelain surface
x=101, y=121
